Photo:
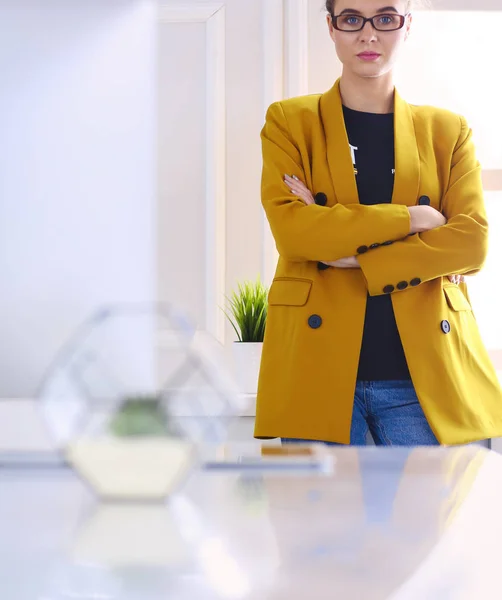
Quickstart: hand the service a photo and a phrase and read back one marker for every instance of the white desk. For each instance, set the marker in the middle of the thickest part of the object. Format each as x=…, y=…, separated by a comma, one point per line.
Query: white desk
x=388, y=524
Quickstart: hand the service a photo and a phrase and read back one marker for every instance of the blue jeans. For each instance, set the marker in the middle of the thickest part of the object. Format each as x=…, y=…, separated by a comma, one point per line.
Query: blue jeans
x=390, y=411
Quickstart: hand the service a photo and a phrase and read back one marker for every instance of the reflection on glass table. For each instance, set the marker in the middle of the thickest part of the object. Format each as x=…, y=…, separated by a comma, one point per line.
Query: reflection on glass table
x=397, y=524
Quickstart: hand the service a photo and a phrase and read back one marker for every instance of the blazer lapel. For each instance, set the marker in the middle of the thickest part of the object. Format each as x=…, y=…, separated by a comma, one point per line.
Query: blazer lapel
x=337, y=147
x=407, y=159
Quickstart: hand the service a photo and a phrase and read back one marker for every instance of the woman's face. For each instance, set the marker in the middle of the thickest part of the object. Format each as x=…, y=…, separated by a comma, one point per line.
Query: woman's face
x=369, y=53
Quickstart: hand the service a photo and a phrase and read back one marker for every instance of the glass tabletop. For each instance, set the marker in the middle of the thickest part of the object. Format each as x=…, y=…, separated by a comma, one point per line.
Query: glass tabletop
x=383, y=523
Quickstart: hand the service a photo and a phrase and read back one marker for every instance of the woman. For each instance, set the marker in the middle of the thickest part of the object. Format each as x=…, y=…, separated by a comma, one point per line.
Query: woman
x=377, y=210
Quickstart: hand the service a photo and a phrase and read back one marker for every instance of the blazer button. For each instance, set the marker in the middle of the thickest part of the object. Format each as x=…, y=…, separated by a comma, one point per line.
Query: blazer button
x=388, y=289
x=321, y=199
x=424, y=201
x=362, y=249
x=402, y=285
x=322, y=267
x=445, y=326
x=315, y=321
x=415, y=282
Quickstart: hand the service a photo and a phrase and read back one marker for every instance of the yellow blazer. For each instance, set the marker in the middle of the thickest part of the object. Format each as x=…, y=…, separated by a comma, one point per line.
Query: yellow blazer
x=315, y=320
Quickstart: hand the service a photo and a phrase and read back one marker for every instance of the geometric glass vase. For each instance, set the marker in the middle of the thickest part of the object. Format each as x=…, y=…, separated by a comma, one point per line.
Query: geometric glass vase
x=135, y=398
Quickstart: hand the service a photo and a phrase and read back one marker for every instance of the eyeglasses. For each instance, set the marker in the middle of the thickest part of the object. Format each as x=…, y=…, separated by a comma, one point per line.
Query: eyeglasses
x=384, y=22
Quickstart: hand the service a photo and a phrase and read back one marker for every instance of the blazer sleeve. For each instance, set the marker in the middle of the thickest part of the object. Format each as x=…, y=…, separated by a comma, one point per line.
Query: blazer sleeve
x=459, y=247
x=315, y=233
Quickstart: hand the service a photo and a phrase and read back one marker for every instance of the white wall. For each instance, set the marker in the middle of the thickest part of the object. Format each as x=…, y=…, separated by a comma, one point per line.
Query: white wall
x=182, y=167
x=77, y=171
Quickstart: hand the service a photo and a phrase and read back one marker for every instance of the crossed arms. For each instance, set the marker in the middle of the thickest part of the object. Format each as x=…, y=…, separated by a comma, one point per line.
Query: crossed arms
x=455, y=242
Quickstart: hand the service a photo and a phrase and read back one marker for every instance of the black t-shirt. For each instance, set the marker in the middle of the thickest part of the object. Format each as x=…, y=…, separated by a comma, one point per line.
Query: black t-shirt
x=371, y=137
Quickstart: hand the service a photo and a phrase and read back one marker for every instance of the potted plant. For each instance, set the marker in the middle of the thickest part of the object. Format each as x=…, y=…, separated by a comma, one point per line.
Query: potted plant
x=247, y=313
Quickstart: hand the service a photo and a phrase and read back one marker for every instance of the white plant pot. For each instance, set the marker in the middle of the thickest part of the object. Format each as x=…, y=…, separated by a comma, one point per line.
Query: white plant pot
x=247, y=359
x=144, y=469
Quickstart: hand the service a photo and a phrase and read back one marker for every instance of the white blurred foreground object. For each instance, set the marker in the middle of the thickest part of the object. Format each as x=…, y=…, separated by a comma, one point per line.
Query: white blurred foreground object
x=121, y=535
x=287, y=460
x=134, y=398
x=132, y=470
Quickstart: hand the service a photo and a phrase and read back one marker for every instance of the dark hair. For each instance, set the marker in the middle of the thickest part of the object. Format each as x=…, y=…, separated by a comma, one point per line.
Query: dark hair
x=330, y=5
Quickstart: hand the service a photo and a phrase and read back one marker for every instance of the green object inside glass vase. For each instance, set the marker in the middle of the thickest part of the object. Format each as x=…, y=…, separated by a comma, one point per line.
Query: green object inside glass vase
x=140, y=416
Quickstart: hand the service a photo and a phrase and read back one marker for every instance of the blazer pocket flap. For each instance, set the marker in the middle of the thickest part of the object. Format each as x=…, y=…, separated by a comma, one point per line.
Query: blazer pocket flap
x=456, y=299
x=288, y=291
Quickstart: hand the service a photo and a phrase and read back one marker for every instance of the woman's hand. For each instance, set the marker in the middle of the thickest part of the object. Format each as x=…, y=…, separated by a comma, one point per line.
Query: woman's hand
x=425, y=218
x=299, y=189
x=344, y=263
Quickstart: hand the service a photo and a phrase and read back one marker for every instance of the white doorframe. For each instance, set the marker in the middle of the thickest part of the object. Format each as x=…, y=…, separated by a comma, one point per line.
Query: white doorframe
x=213, y=15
